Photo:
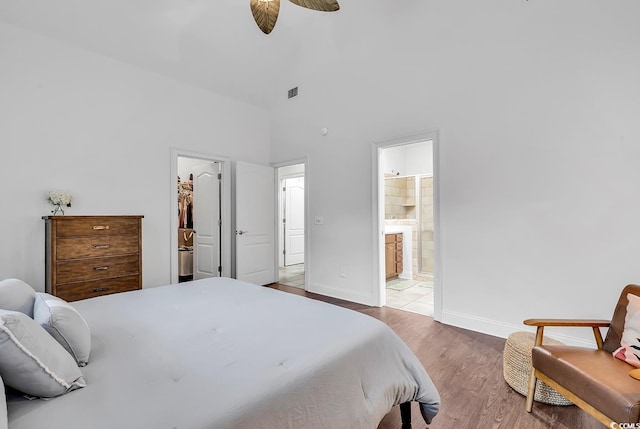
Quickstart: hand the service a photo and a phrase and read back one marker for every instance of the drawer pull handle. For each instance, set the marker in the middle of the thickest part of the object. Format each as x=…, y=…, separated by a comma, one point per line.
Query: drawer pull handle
x=101, y=289
x=100, y=268
x=100, y=227
x=101, y=246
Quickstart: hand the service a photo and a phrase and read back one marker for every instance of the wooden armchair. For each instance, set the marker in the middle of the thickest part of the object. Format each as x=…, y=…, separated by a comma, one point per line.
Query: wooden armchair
x=593, y=379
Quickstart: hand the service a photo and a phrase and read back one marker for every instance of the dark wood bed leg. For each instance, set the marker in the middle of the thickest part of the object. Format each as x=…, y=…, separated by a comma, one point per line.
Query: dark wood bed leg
x=405, y=415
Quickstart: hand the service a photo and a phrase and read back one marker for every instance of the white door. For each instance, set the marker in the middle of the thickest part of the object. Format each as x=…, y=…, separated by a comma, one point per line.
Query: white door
x=206, y=221
x=255, y=223
x=294, y=221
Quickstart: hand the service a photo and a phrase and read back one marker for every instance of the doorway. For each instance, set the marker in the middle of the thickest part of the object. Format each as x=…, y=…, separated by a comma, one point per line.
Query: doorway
x=407, y=224
x=200, y=241
x=291, y=229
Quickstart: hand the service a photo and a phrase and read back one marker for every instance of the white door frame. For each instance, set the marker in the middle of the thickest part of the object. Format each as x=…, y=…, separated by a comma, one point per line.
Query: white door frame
x=307, y=253
x=378, y=218
x=226, y=208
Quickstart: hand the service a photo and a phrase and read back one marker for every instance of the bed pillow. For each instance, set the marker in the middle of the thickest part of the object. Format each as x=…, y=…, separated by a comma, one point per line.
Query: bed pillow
x=629, y=350
x=4, y=419
x=16, y=295
x=65, y=324
x=31, y=361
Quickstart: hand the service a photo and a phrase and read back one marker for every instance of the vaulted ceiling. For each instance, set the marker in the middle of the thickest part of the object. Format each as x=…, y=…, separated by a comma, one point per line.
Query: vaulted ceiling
x=213, y=44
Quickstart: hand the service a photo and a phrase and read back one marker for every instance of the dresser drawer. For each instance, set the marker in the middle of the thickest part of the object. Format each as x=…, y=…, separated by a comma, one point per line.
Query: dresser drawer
x=77, y=270
x=96, y=226
x=91, y=289
x=90, y=247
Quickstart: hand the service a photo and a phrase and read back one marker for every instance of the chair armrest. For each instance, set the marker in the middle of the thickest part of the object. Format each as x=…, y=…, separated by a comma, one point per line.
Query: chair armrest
x=594, y=324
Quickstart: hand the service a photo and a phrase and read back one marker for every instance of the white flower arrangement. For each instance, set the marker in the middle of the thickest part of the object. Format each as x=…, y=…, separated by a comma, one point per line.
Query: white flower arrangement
x=59, y=199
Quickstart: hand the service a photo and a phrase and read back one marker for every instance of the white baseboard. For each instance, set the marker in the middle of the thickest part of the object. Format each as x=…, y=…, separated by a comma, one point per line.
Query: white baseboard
x=502, y=329
x=360, y=298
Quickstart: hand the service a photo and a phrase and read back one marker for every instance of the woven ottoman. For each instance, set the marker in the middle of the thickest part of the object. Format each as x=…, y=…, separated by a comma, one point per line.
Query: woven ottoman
x=516, y=367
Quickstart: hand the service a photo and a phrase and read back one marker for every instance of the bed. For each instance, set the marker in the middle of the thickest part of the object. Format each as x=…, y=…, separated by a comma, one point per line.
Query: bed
x=220, y=353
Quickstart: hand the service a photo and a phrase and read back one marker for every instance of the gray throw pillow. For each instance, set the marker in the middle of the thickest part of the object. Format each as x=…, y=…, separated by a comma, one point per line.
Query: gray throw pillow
x=16, y=295
x=65, y=324
x=32, y=362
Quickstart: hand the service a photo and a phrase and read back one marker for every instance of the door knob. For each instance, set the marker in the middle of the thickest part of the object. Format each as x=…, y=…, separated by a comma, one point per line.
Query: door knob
x=240, y=232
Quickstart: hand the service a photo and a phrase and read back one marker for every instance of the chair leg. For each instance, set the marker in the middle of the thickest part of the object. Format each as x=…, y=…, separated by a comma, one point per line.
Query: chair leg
x=531, y=390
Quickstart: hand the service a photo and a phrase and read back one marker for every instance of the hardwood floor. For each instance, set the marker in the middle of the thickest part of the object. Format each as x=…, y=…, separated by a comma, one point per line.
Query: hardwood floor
x=466, y=367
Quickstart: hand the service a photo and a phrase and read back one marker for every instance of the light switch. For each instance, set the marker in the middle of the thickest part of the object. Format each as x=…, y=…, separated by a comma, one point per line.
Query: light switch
x=319, y=220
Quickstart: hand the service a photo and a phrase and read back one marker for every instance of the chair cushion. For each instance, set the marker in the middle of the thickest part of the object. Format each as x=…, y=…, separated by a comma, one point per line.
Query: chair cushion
x=594, y=376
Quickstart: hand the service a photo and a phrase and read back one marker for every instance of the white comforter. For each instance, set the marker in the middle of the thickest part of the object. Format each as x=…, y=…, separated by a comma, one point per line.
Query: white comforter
x=219, y=353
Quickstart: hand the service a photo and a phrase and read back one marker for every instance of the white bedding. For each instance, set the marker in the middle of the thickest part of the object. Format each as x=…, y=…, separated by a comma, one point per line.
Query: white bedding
x=219, y=353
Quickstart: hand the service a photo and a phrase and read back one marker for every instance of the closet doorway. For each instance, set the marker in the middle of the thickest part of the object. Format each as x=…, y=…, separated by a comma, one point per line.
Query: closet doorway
x=291, y=215
x=200, y=241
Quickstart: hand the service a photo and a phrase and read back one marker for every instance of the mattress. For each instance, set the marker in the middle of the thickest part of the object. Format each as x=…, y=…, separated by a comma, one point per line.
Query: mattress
x=220, y=353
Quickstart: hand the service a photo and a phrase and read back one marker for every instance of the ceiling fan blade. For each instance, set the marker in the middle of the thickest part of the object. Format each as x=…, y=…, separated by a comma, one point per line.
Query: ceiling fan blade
x=265, y=13
x=321, y=5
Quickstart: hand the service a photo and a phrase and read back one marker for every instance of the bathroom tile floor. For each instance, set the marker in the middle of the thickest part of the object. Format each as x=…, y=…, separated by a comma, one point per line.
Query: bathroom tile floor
x=410, y=295
x=292, y=275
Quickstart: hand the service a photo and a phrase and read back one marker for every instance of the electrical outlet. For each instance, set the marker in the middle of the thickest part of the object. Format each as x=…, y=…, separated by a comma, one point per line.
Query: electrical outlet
x=343, y=272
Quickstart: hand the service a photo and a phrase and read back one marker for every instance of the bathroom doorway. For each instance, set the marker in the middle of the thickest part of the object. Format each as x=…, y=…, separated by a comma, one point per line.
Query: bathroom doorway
x=200, y=241
x=407, y=224
x=291, y=220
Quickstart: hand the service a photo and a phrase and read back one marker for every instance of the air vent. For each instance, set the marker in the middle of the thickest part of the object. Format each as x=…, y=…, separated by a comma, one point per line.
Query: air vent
x=293, y=92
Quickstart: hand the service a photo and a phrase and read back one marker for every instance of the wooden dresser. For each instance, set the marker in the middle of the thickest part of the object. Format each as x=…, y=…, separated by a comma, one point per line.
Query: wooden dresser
x=89, y=256
x=393, y=255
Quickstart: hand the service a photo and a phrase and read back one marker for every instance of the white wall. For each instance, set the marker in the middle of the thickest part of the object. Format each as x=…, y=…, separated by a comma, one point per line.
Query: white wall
x=101, y=130
x=394, y=161
x=295, y=170
x=536, y=103
x=537, y=106
x=420, y=158
x=409, y=159
x=186, y=166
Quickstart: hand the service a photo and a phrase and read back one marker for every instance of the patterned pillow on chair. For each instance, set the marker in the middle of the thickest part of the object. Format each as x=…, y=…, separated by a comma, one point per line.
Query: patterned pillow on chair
x=629, y=350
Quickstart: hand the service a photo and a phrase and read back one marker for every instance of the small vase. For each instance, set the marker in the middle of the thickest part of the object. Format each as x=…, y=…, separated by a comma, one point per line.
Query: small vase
x=57, y=209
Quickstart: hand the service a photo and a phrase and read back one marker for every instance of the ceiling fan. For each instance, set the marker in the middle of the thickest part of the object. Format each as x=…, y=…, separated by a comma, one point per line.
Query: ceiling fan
x=265, y=12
